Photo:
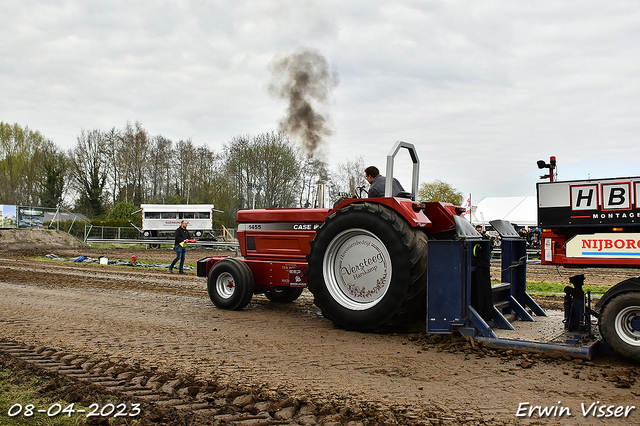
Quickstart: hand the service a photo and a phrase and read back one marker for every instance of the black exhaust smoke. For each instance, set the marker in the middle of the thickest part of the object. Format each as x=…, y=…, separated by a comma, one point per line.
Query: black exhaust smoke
x=305, y=81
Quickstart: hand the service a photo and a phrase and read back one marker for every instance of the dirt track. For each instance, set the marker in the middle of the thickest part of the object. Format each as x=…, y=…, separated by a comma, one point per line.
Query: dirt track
x=286, y=355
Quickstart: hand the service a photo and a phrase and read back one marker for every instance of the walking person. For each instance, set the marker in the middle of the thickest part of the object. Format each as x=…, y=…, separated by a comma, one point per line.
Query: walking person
x=180, y=246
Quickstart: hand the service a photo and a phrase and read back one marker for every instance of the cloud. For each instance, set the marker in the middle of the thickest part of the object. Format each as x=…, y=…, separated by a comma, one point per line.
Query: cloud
x=483, y=89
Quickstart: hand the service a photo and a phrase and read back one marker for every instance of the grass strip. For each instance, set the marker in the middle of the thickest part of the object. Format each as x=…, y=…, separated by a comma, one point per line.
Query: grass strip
x=19, y=391
x=555, y=288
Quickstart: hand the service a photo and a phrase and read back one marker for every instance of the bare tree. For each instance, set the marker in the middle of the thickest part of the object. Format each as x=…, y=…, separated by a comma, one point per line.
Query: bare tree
x=160, y=168
x=114, y=172
x=185, y=162
x=279, y=167
x=206, y=175
x=241, y=167
x=264, y=170
x=312, y=173
x=132, y=155
x=347, y=178
x=89, y=164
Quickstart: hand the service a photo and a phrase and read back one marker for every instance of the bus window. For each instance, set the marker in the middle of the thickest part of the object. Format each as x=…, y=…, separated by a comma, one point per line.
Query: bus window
x=152, y=215
x=188, y=215
x=202, y=215
x=169, y=215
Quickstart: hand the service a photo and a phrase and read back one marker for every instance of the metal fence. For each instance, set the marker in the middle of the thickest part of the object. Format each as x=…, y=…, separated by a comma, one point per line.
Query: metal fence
x=123, y=235
x=109, y=232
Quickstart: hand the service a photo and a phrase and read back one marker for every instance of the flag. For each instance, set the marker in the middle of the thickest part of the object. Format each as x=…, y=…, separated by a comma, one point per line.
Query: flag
x=467, y=207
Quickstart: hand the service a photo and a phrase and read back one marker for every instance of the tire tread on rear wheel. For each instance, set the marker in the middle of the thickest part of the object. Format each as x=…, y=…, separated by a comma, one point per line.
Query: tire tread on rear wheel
x=370, y=241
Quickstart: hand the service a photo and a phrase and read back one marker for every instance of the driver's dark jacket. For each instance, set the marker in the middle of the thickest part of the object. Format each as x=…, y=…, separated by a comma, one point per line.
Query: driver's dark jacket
x=377, y=187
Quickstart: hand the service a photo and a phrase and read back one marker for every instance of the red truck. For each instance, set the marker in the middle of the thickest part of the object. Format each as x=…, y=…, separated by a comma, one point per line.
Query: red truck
x=595, y=223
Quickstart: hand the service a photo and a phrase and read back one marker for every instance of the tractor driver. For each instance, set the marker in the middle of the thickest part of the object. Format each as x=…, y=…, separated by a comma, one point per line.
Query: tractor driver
x=378, y=181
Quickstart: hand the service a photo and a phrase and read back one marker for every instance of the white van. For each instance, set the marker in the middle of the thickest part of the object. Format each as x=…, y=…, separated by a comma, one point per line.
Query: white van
x=164, y=219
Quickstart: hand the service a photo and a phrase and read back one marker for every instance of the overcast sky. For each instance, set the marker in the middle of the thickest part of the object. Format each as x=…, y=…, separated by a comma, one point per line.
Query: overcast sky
x=482, y=88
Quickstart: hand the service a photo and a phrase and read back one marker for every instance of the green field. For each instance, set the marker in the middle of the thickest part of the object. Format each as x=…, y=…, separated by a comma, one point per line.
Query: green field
x=549, y=288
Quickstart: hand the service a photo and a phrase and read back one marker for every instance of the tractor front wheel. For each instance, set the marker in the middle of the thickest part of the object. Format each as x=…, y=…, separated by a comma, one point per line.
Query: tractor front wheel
x=230, y=284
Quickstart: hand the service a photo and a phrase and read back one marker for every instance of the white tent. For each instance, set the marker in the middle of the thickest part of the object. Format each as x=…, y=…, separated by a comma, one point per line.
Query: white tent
x=522, y=211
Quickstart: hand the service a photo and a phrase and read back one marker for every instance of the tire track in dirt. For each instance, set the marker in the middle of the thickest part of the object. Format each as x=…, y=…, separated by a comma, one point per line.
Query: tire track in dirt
x=150, y=321
x=60, y=275
x=204, y=402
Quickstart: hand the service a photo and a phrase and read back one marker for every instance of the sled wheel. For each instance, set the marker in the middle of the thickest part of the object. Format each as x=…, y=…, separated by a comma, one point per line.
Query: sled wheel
x=367, y=268
x=230, y=284
x=619, y=324
x=284, y=294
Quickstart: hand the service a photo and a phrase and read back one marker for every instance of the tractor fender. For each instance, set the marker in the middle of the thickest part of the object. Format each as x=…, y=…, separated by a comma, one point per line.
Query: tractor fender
x=628, y=285
x=412, y=212
x=204, y=265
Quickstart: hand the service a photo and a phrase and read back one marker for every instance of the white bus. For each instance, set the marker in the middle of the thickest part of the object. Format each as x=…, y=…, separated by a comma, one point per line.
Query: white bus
x=164, y=219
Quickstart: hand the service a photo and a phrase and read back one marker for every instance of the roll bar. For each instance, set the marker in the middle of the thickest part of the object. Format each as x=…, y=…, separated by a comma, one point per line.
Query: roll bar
x=416, y=168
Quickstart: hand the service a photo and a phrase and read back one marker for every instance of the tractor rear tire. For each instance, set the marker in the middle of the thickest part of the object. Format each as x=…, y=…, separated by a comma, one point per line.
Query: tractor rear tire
x=367, y=268
x=619, y=324
x=284, y=294
x=230, y=284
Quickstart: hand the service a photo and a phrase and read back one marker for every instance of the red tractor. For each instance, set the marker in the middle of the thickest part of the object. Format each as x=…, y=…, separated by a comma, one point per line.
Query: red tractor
x=364, y=260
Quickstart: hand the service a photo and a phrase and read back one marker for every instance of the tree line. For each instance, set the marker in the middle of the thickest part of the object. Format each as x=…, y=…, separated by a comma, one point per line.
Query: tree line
x=109, y=173
x=108, y=168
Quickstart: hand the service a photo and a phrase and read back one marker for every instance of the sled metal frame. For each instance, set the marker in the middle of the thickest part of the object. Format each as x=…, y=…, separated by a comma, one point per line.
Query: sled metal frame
x=449, y=294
